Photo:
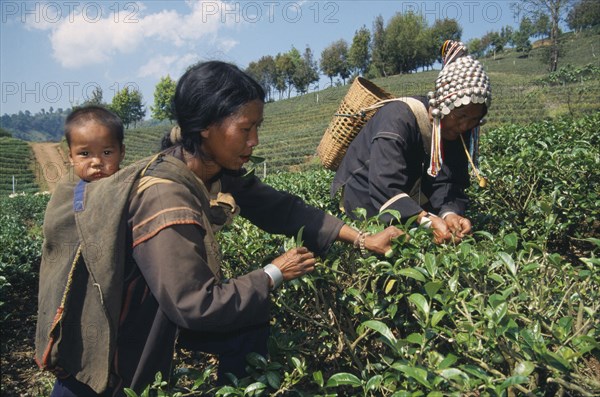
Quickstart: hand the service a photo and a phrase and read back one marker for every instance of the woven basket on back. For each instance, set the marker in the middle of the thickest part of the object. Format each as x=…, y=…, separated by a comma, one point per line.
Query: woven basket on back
x=347, y=122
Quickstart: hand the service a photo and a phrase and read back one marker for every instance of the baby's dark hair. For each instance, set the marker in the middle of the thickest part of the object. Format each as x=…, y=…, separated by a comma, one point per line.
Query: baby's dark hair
x=207, y=93
x=100, y=115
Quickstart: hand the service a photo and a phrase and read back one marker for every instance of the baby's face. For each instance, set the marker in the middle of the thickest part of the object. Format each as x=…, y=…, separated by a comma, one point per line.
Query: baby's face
x=94, y=152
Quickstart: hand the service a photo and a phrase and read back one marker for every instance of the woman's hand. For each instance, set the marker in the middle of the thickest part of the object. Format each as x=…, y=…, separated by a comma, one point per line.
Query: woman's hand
x=441, y=231
x=381, y=242
x=458, y=225
x=295, y=263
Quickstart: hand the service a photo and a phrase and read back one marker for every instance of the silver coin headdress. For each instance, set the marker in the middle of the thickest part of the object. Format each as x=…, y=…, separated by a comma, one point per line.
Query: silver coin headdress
x=461, y=81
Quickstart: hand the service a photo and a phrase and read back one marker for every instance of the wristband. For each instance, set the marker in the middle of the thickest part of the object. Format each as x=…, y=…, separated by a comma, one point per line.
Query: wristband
x=425, y=221
x=274, y=274
x=443, y=215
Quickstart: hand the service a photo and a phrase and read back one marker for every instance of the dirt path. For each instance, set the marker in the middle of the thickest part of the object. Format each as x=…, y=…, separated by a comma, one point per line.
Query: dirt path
x=51, y=164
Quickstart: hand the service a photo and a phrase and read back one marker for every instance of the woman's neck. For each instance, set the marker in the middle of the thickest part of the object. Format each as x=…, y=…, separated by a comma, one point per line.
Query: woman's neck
x=203, y=168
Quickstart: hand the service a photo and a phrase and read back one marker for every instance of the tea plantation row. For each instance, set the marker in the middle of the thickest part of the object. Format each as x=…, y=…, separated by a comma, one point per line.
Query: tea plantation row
x=513, y=310
x=15, y=171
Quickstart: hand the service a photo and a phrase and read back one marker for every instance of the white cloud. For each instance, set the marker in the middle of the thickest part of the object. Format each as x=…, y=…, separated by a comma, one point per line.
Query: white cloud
x=227, y=44
x=81, y=43
x=173, y=65
x=82, y=39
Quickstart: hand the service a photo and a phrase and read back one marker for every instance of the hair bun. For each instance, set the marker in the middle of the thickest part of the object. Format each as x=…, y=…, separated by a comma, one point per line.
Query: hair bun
x=452, y=50
x=175, y=135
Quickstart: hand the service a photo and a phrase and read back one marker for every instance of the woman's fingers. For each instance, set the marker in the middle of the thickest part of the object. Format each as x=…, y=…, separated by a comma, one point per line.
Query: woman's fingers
x=295, y=262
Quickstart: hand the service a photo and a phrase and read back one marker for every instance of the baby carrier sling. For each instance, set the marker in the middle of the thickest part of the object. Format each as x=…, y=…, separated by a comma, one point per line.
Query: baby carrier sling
x=82, y=268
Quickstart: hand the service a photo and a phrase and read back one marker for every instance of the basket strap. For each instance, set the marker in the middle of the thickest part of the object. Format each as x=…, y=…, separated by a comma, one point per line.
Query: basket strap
x=420, y=112
x=422, y=116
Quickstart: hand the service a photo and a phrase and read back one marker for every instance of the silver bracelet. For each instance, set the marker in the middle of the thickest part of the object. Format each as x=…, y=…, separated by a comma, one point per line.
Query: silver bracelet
x=274, y=274
x=359, y=242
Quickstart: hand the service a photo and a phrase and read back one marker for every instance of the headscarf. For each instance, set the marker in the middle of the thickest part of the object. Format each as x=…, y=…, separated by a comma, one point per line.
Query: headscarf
x=461, y=81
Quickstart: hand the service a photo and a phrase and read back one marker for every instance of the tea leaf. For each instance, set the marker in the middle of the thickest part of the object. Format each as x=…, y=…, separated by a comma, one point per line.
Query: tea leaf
x=421, y=303
x=390, y=285
x=412, y=273
x=343, y=378
x=299, y=242
x=418, y=374
x=437, y=317
x=382, y=329
x=509, y=262
x=524, y=368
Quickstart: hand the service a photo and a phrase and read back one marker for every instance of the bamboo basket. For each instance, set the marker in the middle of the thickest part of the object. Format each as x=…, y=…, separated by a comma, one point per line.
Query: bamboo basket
x=351, y=116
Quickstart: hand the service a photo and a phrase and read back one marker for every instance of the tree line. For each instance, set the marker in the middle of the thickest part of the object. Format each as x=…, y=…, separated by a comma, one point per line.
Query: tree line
x=43, y=125
x=405, y=44
x=48, y=125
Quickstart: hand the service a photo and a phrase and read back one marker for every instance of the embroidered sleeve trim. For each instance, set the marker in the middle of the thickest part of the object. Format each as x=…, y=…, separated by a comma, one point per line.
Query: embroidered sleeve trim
x=151, y=233
x=164, y=212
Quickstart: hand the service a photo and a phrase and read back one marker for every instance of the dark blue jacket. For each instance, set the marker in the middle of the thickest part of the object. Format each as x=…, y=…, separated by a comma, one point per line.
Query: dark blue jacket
x=387, y=159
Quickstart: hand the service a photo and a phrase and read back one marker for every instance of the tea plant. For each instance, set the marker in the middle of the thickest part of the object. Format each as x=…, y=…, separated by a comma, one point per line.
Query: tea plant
x=15, y=173
x=511, y=310
x=21, y=241
x=570, y=74
x=544, y=182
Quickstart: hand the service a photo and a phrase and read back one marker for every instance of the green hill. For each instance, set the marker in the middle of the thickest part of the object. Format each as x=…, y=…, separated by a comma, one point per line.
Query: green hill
x=293, y=127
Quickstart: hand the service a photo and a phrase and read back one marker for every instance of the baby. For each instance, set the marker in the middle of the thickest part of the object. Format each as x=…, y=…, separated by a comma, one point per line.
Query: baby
x=95, y=138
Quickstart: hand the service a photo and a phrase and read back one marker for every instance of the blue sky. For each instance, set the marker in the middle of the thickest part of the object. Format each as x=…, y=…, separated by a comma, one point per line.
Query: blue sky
x=55, y=53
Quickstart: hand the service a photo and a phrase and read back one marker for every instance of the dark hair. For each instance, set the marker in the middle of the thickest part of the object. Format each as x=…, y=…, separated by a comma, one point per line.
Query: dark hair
x=98, y=114
x=207, y=93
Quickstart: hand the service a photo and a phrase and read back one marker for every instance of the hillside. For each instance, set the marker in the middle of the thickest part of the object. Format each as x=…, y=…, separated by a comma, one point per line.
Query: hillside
x=293, y=127
x=17, y=167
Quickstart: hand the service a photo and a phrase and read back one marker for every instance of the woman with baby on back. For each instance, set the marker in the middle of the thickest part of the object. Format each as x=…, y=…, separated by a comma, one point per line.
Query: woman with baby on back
x=157, y=281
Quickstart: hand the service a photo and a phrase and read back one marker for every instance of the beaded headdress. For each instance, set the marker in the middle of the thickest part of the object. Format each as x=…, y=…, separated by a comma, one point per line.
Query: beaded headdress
x=461, y=81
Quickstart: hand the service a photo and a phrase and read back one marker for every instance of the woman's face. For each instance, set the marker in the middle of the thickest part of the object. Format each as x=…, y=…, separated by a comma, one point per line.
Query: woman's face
x=461, y=120
x=229, y=144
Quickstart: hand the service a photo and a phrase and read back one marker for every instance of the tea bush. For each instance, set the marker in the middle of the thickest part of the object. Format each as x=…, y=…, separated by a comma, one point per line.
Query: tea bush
x=511, y=310
x=20, y=241
x=16, y=174
x=570, y=74
x=544, y=182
